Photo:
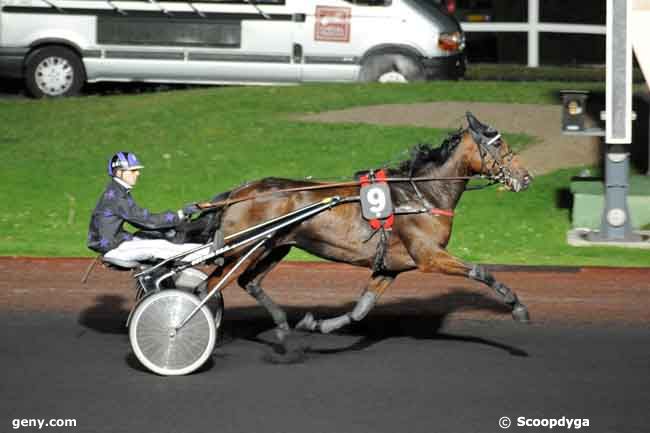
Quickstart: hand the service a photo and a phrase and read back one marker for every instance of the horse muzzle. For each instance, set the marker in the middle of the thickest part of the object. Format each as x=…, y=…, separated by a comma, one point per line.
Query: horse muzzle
x=513, y=180
x=516, y=184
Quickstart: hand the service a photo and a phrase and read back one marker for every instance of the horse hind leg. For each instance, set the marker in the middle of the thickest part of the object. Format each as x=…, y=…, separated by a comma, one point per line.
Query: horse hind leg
x=377, y=285
x=251, y=279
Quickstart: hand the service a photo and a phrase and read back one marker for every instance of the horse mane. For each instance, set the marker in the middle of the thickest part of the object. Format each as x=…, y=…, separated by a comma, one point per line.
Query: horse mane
x=423, y=154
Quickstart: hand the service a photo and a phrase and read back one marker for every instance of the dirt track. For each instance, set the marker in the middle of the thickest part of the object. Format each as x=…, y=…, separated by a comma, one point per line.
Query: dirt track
x=562, y=295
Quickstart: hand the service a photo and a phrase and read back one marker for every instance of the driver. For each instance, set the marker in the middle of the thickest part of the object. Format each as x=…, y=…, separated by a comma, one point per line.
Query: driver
x=116, y=206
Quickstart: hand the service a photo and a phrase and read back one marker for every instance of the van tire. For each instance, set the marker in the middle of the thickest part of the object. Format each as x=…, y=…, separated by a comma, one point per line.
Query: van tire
x=54, y=71
x=391, y=68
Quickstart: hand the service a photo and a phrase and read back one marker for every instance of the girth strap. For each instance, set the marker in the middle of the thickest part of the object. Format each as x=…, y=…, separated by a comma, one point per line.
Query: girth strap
x=379, y=264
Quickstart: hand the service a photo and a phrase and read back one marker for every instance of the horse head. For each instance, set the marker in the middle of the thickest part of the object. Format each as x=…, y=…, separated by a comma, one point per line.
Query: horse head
x=490, y=155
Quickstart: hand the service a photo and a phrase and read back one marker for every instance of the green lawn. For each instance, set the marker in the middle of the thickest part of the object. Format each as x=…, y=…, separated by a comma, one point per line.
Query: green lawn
x=196, y=143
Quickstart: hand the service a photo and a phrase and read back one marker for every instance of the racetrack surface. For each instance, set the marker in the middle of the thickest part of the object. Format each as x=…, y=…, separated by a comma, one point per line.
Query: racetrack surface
x=391, y=374
x=438, y=355
x=553, y=294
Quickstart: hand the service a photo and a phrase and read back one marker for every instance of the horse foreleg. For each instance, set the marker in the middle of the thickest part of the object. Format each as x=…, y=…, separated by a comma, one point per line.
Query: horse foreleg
x=509, y=297
x=251, y=281
x=442, y=261
x=376, y=286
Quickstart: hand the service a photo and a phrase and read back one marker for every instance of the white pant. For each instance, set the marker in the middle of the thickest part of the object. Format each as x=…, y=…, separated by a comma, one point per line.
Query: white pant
x=142, y=250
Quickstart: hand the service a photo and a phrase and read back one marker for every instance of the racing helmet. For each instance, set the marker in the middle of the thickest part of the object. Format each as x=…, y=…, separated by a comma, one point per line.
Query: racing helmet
x=123, y=161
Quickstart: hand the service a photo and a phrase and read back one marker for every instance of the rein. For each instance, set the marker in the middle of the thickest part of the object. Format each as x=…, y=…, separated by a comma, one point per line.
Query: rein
x=228, y=202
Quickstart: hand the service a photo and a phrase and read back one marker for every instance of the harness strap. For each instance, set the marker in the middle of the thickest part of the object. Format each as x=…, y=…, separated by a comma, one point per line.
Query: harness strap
x=228, y=202
x=379, y=263
x=406, y=210
x=415, y=186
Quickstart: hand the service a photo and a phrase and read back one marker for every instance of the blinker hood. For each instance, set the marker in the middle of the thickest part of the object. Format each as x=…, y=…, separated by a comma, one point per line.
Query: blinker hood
x=480, y=132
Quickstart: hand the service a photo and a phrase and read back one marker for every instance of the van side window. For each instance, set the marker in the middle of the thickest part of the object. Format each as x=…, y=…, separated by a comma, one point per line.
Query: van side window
x=237, y=2
x=370, y=2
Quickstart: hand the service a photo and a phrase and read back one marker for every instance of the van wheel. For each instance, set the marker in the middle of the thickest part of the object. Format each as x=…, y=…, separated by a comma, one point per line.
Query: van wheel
x=54, y=72
x=391, y=68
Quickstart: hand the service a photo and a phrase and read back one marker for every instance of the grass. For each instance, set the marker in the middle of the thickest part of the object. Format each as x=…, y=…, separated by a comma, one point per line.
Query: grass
x=199, y=142
x=529, y=227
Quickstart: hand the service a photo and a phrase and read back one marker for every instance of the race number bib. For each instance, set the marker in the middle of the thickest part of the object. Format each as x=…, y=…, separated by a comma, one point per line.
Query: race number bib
x=375, y=201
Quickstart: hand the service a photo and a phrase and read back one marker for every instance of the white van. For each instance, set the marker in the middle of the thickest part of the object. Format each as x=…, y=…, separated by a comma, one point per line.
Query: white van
x=58, y=45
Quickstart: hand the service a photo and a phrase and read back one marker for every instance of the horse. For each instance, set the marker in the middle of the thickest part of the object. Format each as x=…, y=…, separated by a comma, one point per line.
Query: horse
x=341, y=234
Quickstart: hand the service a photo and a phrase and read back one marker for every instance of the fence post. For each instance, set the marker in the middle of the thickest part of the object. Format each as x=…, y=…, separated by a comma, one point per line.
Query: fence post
x=533, y=33
x=616, y=224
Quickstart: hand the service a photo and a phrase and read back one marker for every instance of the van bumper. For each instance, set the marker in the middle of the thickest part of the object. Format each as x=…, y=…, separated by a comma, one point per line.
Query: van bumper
x=11, y=62
x=445, y=68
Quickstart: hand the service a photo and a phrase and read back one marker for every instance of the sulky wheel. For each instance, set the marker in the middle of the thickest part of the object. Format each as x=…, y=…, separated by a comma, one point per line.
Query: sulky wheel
x=194, y=281
x=159, y=345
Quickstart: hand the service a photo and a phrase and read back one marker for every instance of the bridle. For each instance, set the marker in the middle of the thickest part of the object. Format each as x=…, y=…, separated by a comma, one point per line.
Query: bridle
x=501, y=168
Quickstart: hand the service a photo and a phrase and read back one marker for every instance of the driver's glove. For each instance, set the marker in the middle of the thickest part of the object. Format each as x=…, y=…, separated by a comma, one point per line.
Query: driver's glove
x=188, y=211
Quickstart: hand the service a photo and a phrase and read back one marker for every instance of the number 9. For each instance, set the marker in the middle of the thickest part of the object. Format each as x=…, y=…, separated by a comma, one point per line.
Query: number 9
x=377, y=199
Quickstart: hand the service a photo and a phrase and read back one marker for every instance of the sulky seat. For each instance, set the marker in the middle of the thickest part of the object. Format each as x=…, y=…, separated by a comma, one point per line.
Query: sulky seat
x=120, y=264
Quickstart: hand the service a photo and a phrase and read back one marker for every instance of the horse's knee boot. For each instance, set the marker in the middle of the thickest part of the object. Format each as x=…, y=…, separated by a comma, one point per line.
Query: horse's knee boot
x=479, y=273
x=307, y=323
x=519, y=310
x=365, y=303
x=361, y=309
x=328, y=325
x=508, y=296
x=253, y=289
x=279, y=316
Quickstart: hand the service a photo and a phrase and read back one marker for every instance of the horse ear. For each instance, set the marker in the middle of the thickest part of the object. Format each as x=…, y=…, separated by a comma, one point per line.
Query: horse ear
x=474, y=123
x=475, y=127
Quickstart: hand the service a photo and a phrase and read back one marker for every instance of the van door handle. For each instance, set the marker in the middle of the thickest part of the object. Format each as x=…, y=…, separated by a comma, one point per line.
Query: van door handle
x=297, y=53
x=299, y=18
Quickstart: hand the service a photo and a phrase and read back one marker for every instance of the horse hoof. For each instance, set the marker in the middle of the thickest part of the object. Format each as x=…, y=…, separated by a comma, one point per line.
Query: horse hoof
x=520, y=313
x=308, y=323
x=282, y=333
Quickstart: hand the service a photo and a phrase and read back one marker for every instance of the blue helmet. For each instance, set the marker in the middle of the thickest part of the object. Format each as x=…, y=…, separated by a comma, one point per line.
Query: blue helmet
x=123, y=161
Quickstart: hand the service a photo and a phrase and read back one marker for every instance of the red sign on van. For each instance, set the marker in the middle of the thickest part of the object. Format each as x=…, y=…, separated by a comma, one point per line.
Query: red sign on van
x=332, y=24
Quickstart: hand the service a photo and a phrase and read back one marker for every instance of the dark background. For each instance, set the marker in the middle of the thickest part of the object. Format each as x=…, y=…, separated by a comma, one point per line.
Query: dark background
x=555, y=48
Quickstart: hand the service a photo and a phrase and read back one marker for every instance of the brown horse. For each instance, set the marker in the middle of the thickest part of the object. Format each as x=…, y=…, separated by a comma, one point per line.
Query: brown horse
x=341, y=234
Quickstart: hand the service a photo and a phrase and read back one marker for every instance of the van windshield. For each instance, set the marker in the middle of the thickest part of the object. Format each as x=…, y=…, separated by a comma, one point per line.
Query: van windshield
x=371, y=2
x=260, y=2
x=431, y=7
